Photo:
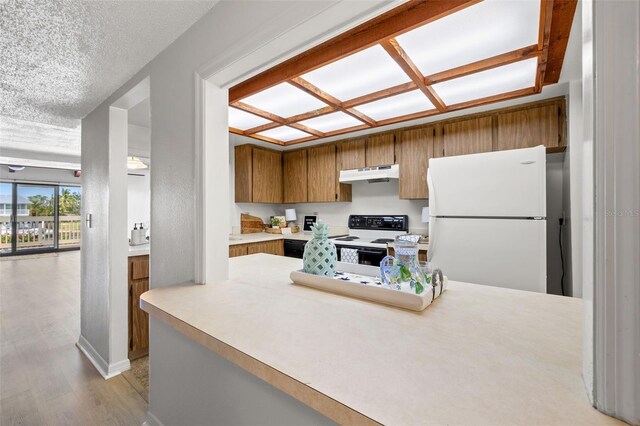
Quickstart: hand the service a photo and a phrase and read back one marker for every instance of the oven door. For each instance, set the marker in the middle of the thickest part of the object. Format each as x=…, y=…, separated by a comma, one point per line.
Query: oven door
x=366, y=255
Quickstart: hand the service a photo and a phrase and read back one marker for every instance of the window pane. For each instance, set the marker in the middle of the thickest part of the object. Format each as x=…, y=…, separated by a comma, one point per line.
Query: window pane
x=69, y=215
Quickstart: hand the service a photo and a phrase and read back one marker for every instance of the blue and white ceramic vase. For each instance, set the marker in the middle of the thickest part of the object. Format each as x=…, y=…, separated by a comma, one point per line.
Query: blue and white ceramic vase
x=320, y=256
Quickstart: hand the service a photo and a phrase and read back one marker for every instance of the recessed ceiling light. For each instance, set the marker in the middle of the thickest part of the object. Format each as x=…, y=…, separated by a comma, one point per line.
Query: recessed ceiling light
x=330, y=122
x=504, y=79
x=359, y=74
x=284, y=100
x=396, y=106
x=284, y=134
x=486, y=29
x=243, y=120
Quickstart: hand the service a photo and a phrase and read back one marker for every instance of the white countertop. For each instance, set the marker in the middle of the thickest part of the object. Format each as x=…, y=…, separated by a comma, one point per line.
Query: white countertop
x=477, y=355
x=141, y=250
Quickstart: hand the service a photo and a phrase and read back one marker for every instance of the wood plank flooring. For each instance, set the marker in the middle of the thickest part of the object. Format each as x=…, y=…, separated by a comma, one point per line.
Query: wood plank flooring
x=44, y=378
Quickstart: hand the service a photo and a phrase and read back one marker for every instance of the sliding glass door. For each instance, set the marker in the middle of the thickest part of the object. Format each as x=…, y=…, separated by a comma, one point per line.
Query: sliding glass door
x=38, y=217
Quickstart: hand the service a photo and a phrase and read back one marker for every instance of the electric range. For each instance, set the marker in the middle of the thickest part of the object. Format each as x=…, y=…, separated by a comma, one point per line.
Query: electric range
x=369, y=236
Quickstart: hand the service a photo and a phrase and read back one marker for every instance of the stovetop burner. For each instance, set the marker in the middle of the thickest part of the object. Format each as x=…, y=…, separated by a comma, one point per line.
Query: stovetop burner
x=382, y=241
x=349, y=238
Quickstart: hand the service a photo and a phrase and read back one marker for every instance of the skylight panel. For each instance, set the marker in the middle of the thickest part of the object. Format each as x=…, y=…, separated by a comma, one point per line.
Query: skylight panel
x=365, y=72
x=243, y=120
x=486, y=29
x=507, y=78
x=330, y=122
x=284, y=100
x=284, y=134
x=396, y=106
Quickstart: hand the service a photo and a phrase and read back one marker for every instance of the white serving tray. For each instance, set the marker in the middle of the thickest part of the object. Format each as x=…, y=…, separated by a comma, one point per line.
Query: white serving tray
x=371, y=291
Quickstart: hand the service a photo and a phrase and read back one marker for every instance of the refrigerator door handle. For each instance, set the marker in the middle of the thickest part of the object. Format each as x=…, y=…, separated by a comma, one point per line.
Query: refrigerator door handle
x=432, y=237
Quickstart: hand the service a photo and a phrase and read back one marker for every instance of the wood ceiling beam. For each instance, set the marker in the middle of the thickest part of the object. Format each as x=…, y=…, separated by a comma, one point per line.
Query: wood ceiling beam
x=320, y=94
x=398, y=54
x=301, y=140
x=236, y=131
x=390, y=24
x=544, y=34
x=311, y=114
x=266, y=139
x=381, y=94
x=262, y=128
x=561, y=21
x=413, y=116
x=491, y=99
x=309, y=130
x=485, y=64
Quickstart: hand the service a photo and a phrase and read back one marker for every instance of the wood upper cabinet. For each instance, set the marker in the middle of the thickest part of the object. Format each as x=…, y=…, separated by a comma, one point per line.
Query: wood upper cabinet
x=469, y=136
x=258, y=175
x=351, y=154
x=294, y=170
x=267, y=175
x=530, y=127
x=380, y=150
x=414, y=151
x=322, y=176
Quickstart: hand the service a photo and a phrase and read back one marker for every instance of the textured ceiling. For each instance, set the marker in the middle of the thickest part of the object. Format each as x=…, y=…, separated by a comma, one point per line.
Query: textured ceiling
x=59, y=59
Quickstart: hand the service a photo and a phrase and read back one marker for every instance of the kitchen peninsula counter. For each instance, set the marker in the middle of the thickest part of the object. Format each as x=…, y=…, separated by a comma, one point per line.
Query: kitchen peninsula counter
x=477, y=355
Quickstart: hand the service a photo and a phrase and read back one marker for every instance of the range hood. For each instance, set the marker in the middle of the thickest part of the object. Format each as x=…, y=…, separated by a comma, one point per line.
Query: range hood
x=370, y=174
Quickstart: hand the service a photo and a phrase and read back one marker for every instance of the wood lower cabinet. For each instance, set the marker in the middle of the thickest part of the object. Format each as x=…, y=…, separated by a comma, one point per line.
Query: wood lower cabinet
x=269, y=247
x=294, y=171
x=380, y=150
x=414, y=151
x=258, y=175
x=530, y=127
x=138, y=319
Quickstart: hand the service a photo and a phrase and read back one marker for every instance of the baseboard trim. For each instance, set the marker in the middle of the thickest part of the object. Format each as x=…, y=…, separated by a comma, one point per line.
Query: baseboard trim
x=152, y=420
x=106, y=370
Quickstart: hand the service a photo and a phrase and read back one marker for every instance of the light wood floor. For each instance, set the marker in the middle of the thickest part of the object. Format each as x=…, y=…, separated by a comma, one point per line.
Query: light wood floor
x=44, y=378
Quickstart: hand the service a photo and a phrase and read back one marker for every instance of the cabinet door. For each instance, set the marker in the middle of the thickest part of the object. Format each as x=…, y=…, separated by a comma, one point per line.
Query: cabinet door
x=294, y=165
x=238, y=250
x=380, y=150
x=529, y=127
x=269, y=247
x=322, y=173
x=351, y=154
x=467, y=136
x=243, y=168
x=138, y=267
x=414, y=151
x=138, y=320
x=267, y=176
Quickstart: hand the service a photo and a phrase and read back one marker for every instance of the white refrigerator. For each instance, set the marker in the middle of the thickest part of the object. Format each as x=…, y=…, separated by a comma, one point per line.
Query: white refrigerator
x=487, y=220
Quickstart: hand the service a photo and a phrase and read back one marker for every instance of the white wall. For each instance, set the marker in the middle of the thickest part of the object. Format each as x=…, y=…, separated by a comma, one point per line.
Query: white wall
x=138, y=199
x=374, y=198
x=227, y=34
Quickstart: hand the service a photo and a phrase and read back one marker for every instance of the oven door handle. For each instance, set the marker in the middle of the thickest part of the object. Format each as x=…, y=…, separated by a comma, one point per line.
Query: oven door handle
x=380, y=251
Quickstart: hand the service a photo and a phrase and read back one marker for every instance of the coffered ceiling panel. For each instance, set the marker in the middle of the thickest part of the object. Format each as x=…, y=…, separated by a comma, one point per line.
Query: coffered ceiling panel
x=359, y=74
x=508, y=78
x=284, y=133
x=243, y=120
x=331, y=122
x=486, y=29
x=396, y=106
x=419, y=59
x=284, y=100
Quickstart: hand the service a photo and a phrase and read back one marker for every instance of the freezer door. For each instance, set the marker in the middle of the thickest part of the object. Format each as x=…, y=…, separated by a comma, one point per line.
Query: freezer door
x=494, y=184
x=507, y=253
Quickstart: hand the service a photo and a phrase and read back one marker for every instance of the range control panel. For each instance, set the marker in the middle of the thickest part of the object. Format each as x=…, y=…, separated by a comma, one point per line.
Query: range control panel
x=391, y=223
